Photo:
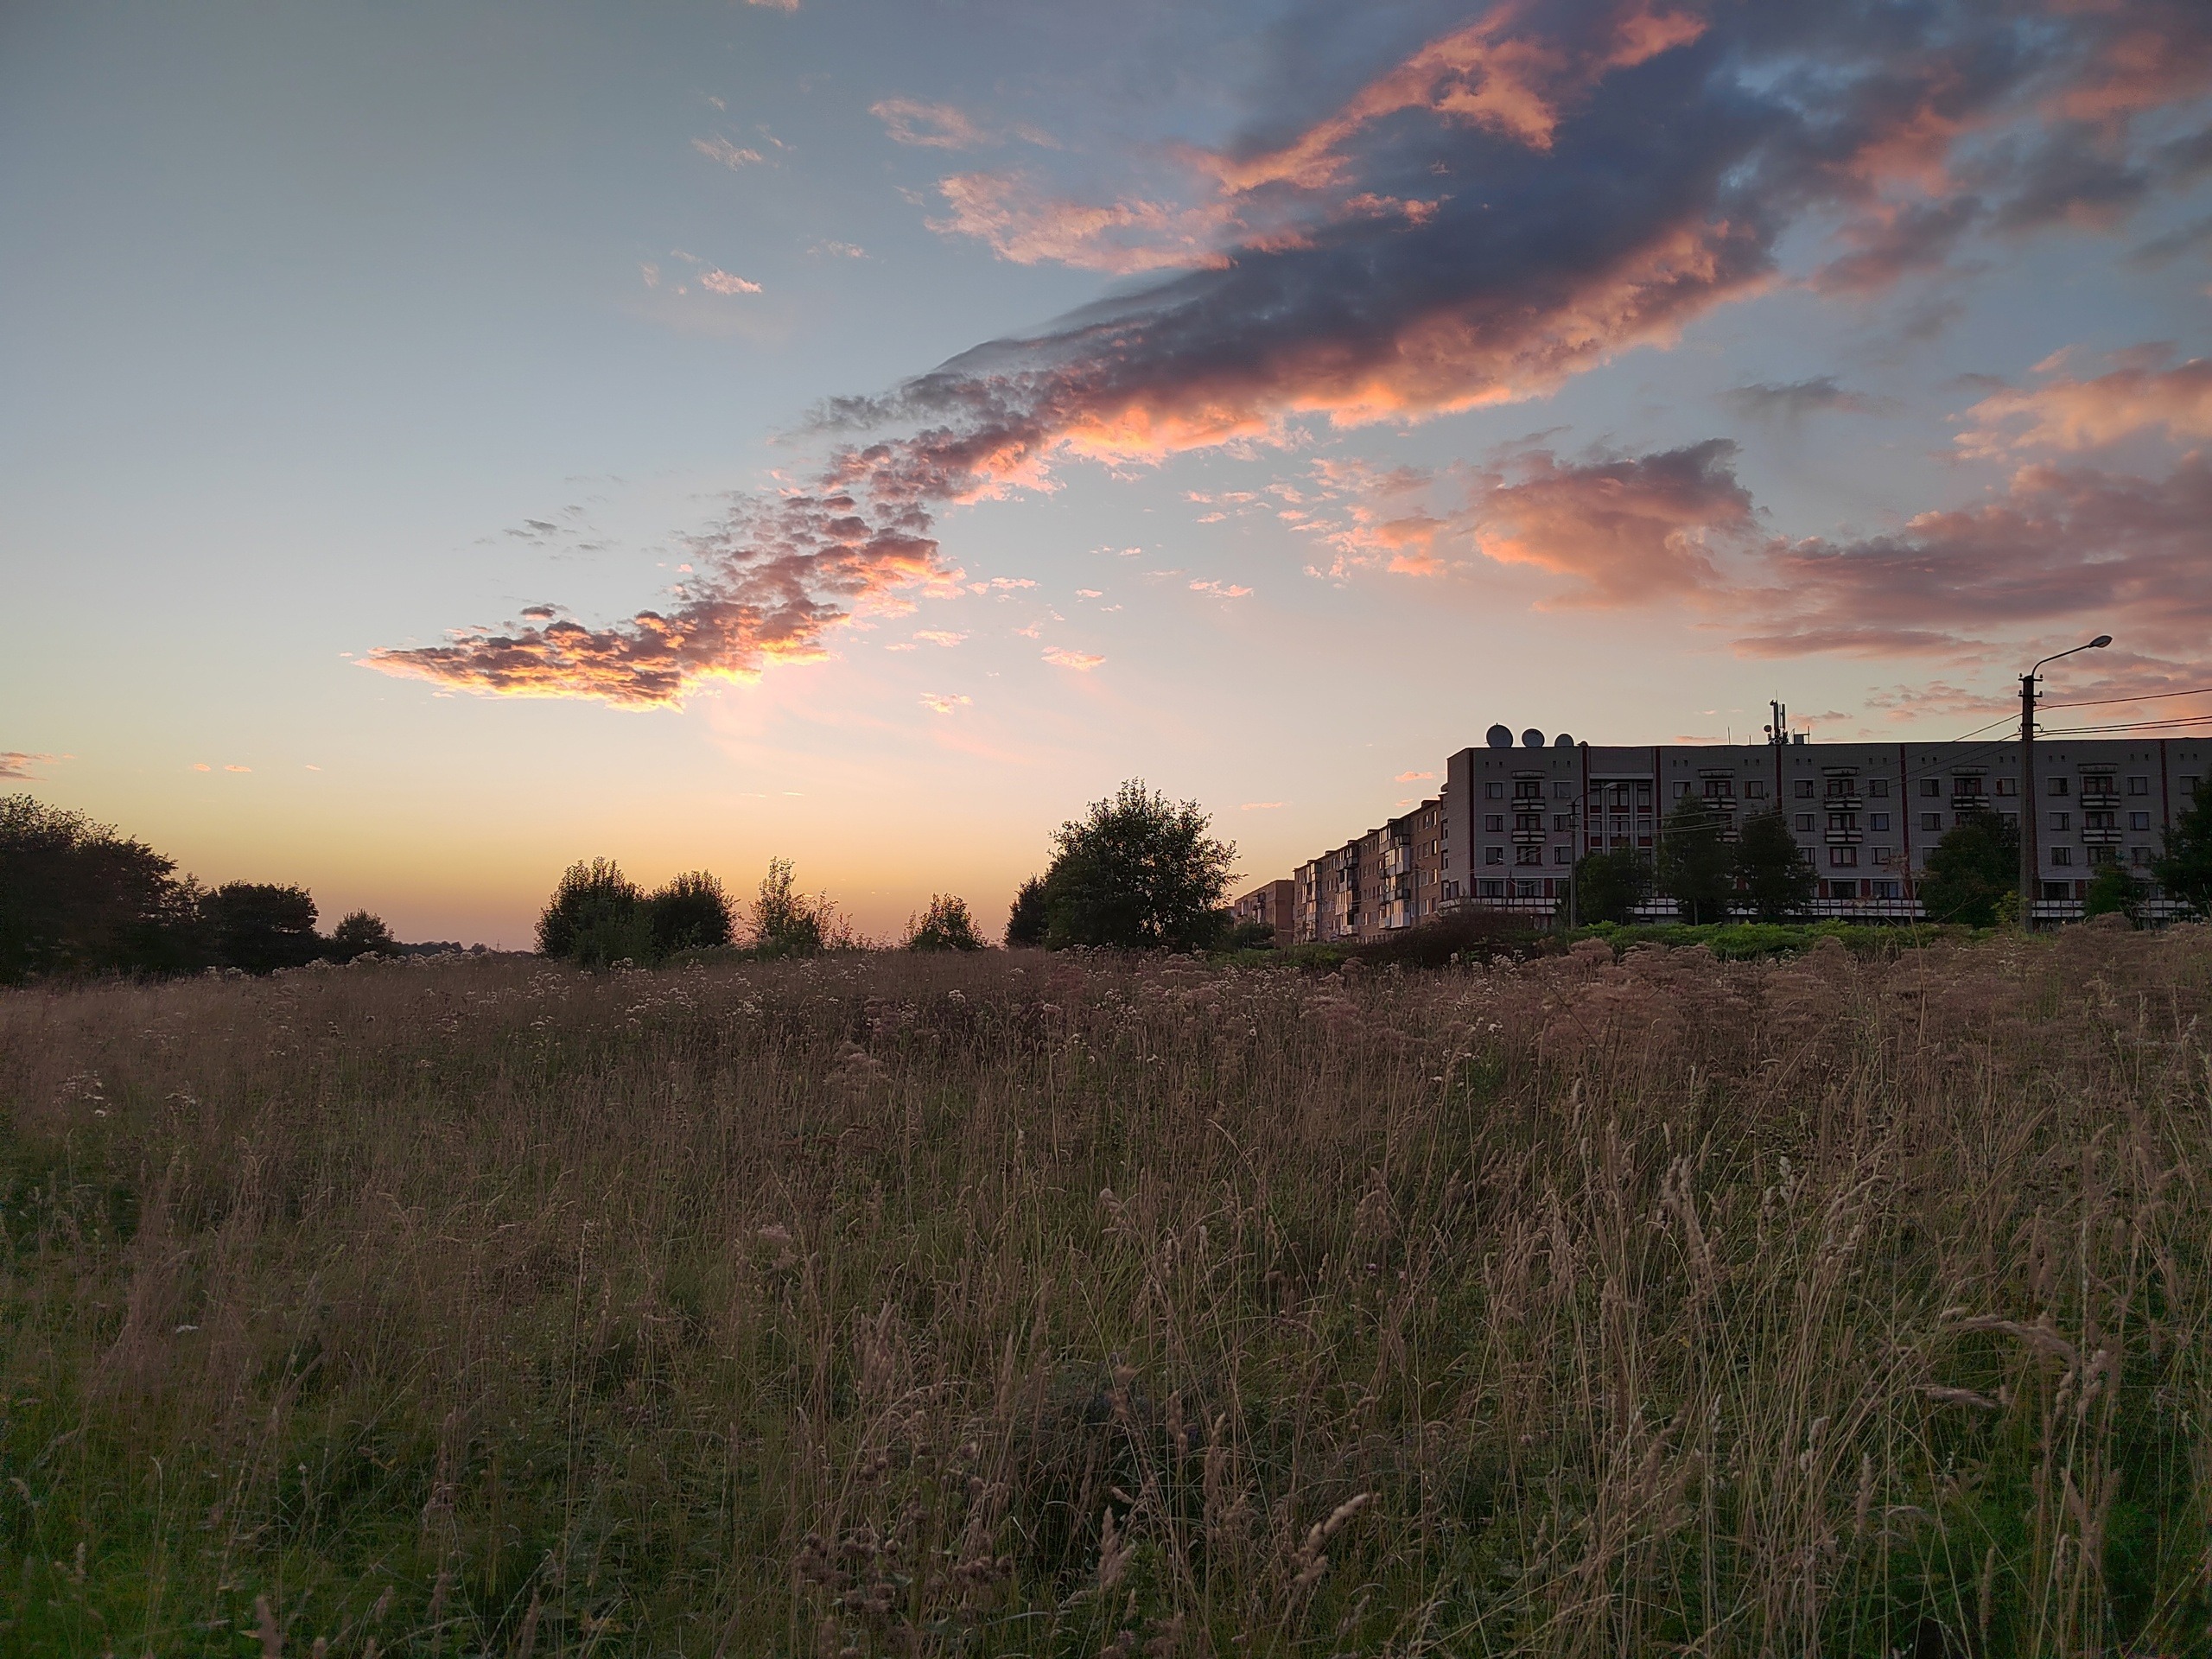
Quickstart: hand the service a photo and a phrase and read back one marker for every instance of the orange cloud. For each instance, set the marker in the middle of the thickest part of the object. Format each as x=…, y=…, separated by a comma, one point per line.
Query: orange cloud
x=15, y=766
x=2075, y=415
x=721, y=282
x=720, y=150
x=930, y=126
x=1084, y=661
x=944, y=702
x=1028, y=226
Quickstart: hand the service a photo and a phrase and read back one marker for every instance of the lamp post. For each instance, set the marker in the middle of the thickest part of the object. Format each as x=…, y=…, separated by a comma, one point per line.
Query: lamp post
x=2030, y=860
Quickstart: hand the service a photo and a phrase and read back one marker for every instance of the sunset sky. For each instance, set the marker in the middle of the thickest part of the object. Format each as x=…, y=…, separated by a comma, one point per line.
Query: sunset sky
x=441, y=441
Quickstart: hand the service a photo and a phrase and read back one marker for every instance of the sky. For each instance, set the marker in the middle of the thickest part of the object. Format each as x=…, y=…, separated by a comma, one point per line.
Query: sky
x=440, y=443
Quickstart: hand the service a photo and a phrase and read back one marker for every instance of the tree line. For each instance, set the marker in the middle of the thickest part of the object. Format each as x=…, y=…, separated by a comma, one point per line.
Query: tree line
x=79, y=898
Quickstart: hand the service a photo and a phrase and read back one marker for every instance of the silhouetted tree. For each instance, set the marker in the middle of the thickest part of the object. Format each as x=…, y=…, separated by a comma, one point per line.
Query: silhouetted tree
x=2185, y=870
x=77, y=897
x=1026, y=921
x=1777, y=881
x=592, y=915
x=1609, y=886
x=260, y=927
x=690, y=913
x=360, y=934
x=1974, y=872
x=1137, y=871
x=945, y=925
x=1695, y=867
x=785, y=922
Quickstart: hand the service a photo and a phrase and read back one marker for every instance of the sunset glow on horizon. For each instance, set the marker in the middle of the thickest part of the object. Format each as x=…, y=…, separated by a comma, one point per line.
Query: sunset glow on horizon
x=444, y=443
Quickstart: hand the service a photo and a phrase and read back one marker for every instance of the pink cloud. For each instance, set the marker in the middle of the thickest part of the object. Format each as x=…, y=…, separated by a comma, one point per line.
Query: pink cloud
x=944, y=702
x=930, y=126
x=720, y=150
x=721, y=282
x=1219, y=590
x=2068, y=414
x=939, y=636
x=1084, y=661
x=15, y=766
x=1412, y=777
x=1027, y=226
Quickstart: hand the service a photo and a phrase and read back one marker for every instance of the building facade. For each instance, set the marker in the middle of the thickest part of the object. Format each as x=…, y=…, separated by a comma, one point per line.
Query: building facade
x=1271, y=904
x=1513, y=818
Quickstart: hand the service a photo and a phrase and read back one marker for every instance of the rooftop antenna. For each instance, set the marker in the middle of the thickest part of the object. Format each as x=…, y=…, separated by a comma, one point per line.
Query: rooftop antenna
x=1777, y=732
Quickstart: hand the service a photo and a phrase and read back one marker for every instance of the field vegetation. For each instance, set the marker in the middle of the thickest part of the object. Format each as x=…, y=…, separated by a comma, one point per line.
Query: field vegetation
x=1619, y=1301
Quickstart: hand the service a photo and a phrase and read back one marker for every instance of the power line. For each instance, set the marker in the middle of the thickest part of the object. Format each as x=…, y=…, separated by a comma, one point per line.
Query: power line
x=2130, y=726
x=2148, y=696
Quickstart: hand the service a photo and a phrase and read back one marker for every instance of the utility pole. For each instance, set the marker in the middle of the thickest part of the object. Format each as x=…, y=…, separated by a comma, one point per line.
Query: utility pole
x=2031, y=840
x=2031, y=861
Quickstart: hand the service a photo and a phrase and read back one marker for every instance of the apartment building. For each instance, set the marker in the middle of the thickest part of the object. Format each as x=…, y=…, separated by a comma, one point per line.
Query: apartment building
x=1515, y=815
x=1865, y=814
x=1271, y=904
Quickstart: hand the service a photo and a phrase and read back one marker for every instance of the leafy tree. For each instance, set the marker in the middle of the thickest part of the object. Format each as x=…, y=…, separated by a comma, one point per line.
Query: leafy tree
x=785, y=922
x=691, y=912
x=1246, y=936
x=360, y=934
x=1774, y=873
x=1695, y=867
x=1137, y=872
x=2113, y=892
x=2186, y=871
x=1025, y=923
x=1974, y=872
x=1609, y=886
x=260, y=927
x=77, y=897
x=945, y=925
x=593, y=911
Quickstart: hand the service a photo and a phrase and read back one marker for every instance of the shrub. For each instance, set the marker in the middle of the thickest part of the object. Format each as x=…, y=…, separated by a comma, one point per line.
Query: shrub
x=1030, y=917
x=690, y=913
x=2113, y=891
x=1776, y=880
x=1974, y=872
x=360, y=934
x=2184, y=871
x=259, y=927
x=945, y=925
x=1609, y=886
x=593, y=901
x=785, y=922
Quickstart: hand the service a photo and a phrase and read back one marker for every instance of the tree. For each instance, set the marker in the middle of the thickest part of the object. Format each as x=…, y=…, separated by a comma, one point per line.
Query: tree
x=260, y=927
x=592, y=915
x=1695, y=867
x=1609, y=886
x=77, y=897
x=1974, y=872
x=2186, y=871
x=2113, y=892
x=360, y=934
x=690, y=913
x=785, y=922
x=1026, y=921
x=945, y=925
x=1137, y=872
x=1774, y=873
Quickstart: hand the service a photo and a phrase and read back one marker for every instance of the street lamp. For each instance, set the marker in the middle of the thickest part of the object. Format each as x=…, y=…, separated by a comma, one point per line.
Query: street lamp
x=2031, y=861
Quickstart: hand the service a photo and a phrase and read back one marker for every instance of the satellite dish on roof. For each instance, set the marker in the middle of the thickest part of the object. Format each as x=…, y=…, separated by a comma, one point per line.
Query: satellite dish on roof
x=1532, y=739
x=1499, y=737
x=1562, y=742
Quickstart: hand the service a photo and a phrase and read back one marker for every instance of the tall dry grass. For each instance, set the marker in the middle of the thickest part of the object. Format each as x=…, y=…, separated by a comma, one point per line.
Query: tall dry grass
x=1023, y=1304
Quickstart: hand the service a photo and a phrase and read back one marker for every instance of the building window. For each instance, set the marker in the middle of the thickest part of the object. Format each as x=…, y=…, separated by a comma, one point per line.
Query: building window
x=1563, y=821
x=1562, y=791
x=1493, y=854
x=1883, y=890
x=2188, y=788
x=1682, y=787
x=1494, y=824
x=1528, y=855
x=2056, y=786
x=1882, y=856
x=1840, y=821
x=1877, y=820
x=1843, y=889
x=1562, y=855
x=1804, y=824
x=1490, y=889
x=2138, y=820
x=2062, y=854
x=2139, y=856
x=2138, y=785
x=2104, y=854
x=1878, y=787
x=1843, y=858
x=2008, y=785
x=1493, y=791
x=2062, y=820
x=1931, y=786
x=1804, y=789
x=1755, y=790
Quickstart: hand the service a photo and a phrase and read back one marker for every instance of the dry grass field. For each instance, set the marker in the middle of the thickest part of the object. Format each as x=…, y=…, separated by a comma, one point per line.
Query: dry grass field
x=887, y=1305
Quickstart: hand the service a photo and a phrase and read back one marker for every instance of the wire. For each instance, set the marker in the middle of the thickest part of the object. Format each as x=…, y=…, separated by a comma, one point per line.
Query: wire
x=2129, y=726
x=2151, y=696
